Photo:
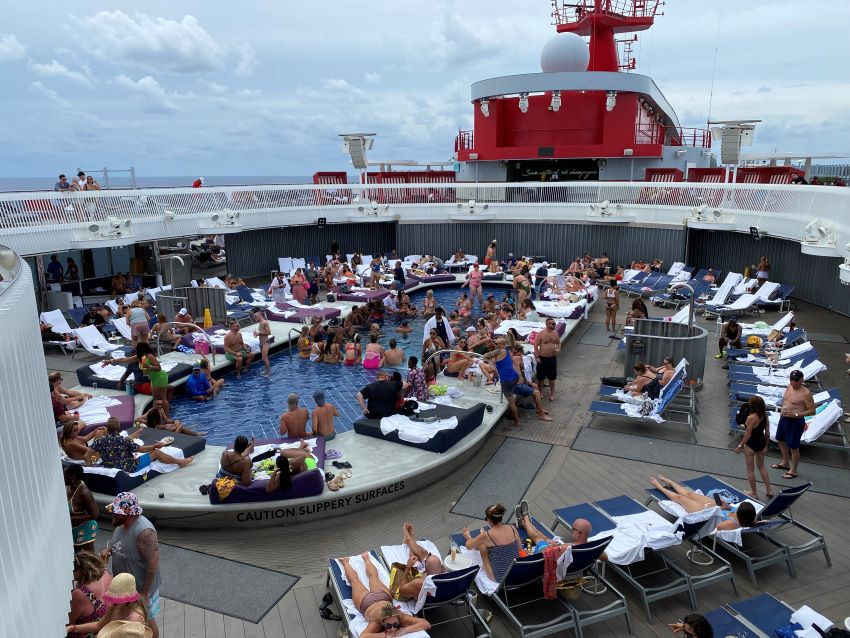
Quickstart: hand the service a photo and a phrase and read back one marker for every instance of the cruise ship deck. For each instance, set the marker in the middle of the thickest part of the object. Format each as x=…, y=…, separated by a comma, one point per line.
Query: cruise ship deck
x=568, y=475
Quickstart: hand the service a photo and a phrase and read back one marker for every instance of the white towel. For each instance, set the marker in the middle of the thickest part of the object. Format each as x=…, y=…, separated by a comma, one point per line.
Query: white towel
x=485, y=584
x=636, y=532
x=94, y=410
x=415, y=431
x=400, y=554
x=634, y=411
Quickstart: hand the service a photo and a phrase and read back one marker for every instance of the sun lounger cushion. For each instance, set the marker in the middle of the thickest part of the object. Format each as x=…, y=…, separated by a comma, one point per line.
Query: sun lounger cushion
x=87, y=377
x=468, y=419
x=123, y=482
x=309, y=483
x=361, y=296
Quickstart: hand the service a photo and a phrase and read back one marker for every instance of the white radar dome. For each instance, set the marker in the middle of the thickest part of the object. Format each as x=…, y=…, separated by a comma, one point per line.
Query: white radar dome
x=563, y=53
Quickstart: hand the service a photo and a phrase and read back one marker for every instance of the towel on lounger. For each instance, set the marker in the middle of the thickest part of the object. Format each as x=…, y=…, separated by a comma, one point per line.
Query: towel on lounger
x=636, y=532
x=415, y=431
x=358, y=623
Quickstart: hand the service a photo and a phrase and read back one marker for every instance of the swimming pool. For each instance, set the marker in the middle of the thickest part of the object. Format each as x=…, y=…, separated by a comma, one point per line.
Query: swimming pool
x=252, y=405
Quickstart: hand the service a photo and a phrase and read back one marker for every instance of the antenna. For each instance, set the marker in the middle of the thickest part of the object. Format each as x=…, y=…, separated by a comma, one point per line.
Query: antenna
x=714, y=68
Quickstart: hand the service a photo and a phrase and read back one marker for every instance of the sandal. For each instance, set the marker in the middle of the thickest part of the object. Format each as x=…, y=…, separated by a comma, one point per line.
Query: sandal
x=336, y=483
x=329, y=476
x=779, y=466
x=789, y=475
x=327, y=599
x=345, y=474
x=327, y=614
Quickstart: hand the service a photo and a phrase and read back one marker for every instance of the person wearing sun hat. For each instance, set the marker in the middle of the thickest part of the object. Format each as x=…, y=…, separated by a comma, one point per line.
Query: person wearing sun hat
x=135, y=551
x=128, y=614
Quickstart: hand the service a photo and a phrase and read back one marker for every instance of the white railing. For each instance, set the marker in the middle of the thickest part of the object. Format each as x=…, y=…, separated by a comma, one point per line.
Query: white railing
x=33, y=223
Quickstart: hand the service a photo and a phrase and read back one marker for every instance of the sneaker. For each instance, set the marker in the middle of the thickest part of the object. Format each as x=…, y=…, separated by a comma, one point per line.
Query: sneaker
x=718, y=356
x=523, y=508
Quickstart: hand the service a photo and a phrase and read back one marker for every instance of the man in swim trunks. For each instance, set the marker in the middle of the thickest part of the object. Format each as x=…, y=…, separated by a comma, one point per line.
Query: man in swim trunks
x=797, y=403
x=581, y=530
x=323, y=417
x=293, y=422
x=547, y=345
x=119, y=452
x=730, y=335
x=235, y=349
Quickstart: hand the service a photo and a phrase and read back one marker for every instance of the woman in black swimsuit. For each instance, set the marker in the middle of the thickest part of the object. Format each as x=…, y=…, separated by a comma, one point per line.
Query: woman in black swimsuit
x=754, y=445
x=612, y=305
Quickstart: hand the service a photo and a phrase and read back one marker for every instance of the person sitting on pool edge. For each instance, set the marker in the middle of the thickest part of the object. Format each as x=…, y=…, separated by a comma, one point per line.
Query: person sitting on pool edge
x=197, y=386
x=742, y=516
x=293, y=422
x=381, y=395
x=236, y=463
x=323, y=417
x=215, y=384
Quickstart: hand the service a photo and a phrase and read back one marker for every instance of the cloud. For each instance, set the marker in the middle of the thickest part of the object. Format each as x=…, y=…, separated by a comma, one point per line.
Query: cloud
x=247, y=60
x=151, y=43
x=39, y=89
x=372, y=78
x=58, y=70
x=154, y=97
x=213, y=86
x=764, y=89
x=249, y=92
x=10, y=48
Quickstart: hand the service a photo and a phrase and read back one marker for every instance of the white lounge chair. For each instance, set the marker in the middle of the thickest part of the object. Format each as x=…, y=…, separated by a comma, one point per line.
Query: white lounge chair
x=123, y=328
x=93, y=342
x=57, y=322
x=722, y=293
x=216, y=282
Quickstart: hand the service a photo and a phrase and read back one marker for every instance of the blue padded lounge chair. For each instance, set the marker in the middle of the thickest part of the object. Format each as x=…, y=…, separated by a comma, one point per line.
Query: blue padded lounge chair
x=453, y=589
x=724, y=623
x=764, y=612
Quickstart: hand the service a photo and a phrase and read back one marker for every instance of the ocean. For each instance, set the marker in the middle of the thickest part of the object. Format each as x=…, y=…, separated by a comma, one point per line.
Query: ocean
x=8, y=184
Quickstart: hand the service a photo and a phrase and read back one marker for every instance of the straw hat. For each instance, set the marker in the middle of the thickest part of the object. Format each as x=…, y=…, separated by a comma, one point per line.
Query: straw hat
x=125, y=629
x=122, y=590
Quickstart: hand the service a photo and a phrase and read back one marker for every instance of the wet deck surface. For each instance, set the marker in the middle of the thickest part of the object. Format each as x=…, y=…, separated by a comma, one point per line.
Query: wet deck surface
x=567, y=477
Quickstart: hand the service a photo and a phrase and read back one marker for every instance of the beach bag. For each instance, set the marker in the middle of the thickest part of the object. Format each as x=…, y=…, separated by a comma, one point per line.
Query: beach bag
x=202, y=346
x=614, y=382
x=571, y=589
x=143, y=388
x=408, y=408
x=400, y=575
x=754, y=341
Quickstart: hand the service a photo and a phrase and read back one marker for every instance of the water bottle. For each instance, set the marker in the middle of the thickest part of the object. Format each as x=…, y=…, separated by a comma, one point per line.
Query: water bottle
x=130, y=387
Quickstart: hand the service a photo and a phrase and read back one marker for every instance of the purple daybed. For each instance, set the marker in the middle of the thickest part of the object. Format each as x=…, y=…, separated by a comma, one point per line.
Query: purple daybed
x=300, y=313
x=362, y=296
x=309, y=483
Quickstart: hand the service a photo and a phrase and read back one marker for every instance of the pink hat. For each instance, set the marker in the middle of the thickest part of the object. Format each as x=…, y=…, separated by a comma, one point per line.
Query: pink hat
x=122, y=590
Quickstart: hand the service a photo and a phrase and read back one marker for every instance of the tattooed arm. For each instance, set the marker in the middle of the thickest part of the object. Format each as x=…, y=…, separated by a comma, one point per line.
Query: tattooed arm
x=148, y=547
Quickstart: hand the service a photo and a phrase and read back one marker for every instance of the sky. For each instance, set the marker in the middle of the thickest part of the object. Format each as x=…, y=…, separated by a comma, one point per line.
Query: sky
x=264, y=88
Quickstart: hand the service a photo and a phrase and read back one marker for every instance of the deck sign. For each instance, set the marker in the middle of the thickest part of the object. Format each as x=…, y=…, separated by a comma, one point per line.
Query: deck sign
x=330, y=507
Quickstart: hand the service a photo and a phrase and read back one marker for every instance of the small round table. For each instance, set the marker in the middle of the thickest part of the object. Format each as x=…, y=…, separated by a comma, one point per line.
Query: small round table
x=460, y=562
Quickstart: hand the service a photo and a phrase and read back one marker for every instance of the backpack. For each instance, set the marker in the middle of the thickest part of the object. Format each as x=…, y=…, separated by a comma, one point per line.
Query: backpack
x=653, y=389
x=616, y=382
x=754, y=341
x=743, y=413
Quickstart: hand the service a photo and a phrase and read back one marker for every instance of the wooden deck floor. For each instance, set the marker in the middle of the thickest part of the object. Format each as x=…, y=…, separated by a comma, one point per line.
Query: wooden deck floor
x=568, y=476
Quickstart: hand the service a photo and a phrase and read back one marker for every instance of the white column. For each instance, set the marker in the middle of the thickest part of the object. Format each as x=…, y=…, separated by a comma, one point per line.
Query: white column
x=36, y=551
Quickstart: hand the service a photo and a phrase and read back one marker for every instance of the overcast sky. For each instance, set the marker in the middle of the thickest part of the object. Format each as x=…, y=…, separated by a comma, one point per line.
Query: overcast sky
x=263, y=88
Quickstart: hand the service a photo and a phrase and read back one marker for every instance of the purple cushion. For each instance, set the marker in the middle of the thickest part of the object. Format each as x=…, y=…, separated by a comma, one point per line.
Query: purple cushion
x=362, y=296
x=310, y=483
x=300, y=313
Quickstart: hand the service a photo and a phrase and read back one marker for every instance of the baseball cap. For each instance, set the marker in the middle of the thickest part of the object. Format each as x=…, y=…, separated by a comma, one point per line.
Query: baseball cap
x=796, y=375
x=183, y=311
x=733, y=318
x=197, y=366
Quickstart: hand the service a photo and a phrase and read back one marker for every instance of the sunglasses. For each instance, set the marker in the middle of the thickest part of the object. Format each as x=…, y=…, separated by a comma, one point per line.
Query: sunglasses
x=391, y=625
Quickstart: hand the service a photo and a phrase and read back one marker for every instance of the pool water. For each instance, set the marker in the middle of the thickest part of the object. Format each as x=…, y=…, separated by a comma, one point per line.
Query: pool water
x=252, y=405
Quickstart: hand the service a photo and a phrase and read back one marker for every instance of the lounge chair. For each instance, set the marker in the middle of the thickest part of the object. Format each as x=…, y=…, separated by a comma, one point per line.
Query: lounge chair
x=123, y=328
x=660, y=412
x=779, y=299
x=724, y=623
x=779, y=326
x=450, y=588
x=764, y=612
x=723, y=291
x=59, y=325
x=772, y=395
x=94, y=342
x=766, y=543
x=352, y=619
x=517, y=595
x=649, y=566
x=791, y=338
x=284, y=265
x=785, y=358
x=740, y=305
x=808, y=364
x=827, y=418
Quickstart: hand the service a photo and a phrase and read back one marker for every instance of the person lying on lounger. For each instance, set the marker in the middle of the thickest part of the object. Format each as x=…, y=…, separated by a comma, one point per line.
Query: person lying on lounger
x=420, y=565
x=76, y=445
x=742, y=516
x=581, y=531
x=289, y=463
x=123, y=453
x=375, y=602
x=71, y=398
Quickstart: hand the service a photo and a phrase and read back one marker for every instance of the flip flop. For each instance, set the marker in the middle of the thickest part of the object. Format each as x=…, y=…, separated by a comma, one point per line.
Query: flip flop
x=789, y=475
x=779, y=466
x=332, y=454
x=168, y=440
x=327, y=614
x=327, y=599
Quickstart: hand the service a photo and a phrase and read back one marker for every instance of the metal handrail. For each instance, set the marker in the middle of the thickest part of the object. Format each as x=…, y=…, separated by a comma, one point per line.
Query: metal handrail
x=471, y=354
x=181, y=324
x=682, y=284
x=289, y=338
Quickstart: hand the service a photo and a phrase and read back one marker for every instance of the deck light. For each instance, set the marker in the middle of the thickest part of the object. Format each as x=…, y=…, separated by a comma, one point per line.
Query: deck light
x=485, y=107
x=555, y=105
x=611, y=101
x=523, y=102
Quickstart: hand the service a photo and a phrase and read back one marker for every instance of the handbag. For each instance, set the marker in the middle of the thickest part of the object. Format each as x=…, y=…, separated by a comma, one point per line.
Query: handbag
x=571, y=589
x=400, y=575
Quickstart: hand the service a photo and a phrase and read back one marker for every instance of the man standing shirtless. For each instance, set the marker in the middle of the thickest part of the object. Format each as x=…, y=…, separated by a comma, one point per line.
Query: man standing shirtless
x=797, y=403
x=235, y=349
x=547, y=345
x=323, y=417
x=293, y=422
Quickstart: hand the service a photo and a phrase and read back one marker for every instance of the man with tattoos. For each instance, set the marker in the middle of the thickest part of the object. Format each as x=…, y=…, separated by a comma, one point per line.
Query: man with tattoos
x=135, y=549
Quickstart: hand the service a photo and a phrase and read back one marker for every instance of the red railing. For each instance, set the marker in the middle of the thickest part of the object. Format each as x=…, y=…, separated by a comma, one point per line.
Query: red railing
x=654, y=133
x=464, y=141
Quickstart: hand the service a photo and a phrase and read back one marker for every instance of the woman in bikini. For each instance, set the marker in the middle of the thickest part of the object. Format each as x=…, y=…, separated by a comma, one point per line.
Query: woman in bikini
x=236, y=463
x=643, y=376
x=373, y=358
x=458, y=361
x=93, y=582
x=463, y=306
x=126, y=605
x=76, y=446
x=430, y=304
x=263, y=332
x=304, y=343
x=743, y=516
x=754, y=445
x=333, y=353
x=612, y=305
x=431, y=345
x=375, y=602
x=499, y=545
x=317, y=350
